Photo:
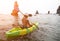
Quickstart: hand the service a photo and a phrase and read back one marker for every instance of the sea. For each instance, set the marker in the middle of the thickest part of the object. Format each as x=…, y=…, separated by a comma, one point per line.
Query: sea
x=48, y=28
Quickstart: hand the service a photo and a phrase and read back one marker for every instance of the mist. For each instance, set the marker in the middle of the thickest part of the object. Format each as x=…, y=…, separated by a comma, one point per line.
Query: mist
x=29, y=6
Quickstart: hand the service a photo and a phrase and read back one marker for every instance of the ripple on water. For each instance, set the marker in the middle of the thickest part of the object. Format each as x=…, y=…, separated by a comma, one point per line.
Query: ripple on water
x=49, y=29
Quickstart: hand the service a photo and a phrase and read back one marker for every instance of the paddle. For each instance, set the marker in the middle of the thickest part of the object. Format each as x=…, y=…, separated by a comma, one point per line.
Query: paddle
x=35, y=24
x=21, y=12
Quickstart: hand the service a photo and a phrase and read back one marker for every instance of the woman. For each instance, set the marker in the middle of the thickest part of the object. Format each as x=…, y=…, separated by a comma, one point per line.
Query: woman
x=15, y=10
x=25, y=21
x=15, y=14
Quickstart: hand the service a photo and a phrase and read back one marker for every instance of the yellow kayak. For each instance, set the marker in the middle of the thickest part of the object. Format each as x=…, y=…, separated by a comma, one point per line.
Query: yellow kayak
x=20, y=32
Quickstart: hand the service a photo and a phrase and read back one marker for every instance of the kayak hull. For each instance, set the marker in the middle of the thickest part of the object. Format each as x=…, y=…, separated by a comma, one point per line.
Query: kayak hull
x=21, y=32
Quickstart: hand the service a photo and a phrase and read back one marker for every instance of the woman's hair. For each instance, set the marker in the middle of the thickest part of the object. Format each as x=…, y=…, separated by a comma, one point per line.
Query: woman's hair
x=26, y=16
x=16, y=4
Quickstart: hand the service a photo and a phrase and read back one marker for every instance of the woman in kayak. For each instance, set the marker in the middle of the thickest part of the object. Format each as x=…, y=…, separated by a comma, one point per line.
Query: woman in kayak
x=15, y=14
x=15, y=10
x=25, y=21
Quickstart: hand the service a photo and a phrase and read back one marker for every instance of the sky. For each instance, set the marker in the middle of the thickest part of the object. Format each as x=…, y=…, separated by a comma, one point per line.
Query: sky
x=29, y=6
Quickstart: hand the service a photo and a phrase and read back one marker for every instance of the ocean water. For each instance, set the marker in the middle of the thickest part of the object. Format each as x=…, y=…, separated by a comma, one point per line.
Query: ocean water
x=49, y=29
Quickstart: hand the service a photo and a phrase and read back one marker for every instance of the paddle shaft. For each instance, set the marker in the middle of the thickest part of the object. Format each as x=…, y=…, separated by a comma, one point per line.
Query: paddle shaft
x=21, y=12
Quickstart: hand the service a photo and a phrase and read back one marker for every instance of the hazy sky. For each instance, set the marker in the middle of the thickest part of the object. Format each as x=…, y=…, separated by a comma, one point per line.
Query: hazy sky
x=29, y=6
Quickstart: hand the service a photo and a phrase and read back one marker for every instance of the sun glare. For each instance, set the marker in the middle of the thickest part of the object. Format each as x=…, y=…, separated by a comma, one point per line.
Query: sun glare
x=29, y=6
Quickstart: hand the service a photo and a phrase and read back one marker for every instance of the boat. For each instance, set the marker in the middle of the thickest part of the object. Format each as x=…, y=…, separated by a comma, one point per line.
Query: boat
x=18, y=31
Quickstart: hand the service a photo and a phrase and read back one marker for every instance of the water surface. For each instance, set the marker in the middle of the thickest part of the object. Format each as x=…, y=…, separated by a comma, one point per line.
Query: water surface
x=49, y=28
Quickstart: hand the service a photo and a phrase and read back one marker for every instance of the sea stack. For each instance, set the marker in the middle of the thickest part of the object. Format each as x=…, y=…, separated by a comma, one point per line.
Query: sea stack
x=48, y=12
x=37, y=12
x=58, y=10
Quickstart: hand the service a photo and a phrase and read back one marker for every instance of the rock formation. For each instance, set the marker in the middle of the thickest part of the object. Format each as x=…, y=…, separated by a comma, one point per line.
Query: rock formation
x=37, y=12
x=58, y=10
x=48, y=12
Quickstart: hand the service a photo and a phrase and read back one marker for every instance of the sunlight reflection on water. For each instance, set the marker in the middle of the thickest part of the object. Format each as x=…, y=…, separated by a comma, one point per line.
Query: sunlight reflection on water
x=49, y=28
